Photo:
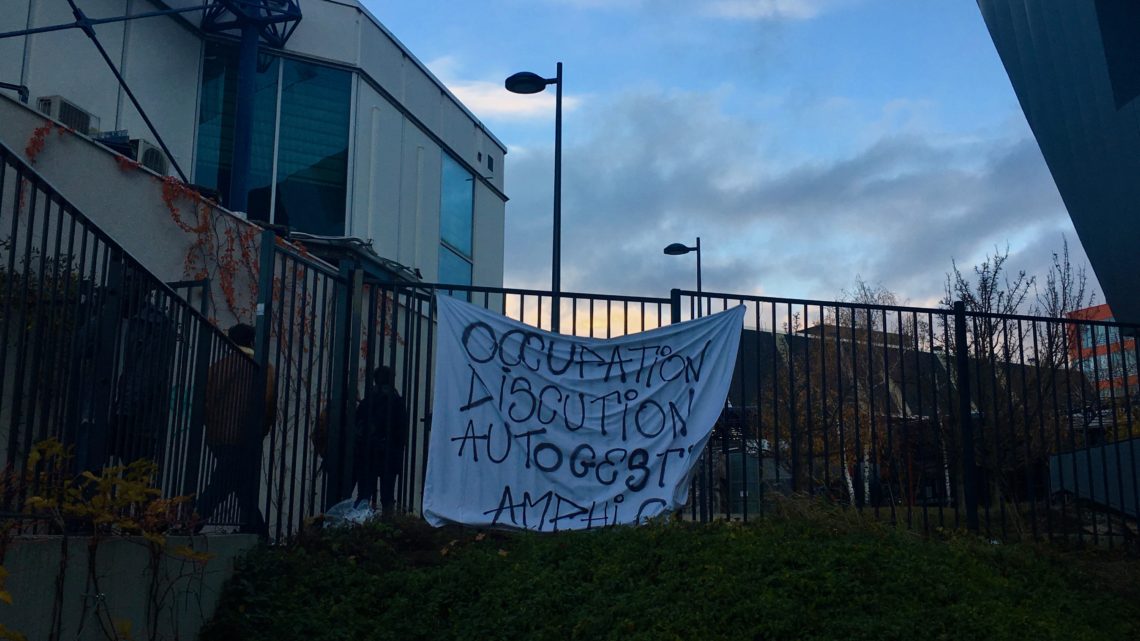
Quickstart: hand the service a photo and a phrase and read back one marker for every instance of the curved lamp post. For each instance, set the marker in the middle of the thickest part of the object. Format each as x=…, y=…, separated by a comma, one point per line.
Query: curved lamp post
x=526, y=82
x=679, y=249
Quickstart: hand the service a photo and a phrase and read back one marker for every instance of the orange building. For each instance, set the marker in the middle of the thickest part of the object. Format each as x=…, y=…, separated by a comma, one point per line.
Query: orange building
x=1105, y=356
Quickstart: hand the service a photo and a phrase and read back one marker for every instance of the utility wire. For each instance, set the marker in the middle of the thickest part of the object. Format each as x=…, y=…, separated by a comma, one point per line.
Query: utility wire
x=86, y=25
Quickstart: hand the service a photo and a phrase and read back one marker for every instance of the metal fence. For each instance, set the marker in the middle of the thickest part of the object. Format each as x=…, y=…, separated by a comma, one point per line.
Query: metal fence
x=100, y=355
x=1013, y=426
x=325, y=334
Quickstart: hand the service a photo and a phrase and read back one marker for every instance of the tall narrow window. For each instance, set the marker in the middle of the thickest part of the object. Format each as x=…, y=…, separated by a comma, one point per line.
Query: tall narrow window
x=312, y=157
x=456, y=210
x=214, y=159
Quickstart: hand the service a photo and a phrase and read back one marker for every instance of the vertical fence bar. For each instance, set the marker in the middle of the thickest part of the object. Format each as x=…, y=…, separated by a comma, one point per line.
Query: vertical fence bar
x=197, y=410
x=263, y=320
x=966, y=423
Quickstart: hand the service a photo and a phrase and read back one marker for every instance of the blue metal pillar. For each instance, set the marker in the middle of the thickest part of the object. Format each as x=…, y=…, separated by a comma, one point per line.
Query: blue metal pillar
x=243, y=118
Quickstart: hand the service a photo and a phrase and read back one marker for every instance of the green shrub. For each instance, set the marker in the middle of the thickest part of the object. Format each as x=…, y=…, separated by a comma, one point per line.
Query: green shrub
x=806, y=575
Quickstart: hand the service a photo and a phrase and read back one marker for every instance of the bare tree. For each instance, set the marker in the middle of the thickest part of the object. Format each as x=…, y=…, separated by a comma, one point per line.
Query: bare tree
x=1065, y=291
x=1018, y=369
x=1066, y=288
x=994, y=292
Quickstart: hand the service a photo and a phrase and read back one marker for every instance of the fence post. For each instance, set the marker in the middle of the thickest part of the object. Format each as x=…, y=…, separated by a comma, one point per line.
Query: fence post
x=351, y=365
x=264, y=316
x=704, y=464
x=197, y=409
x=965, y=416
x=342, y=389
x=263, y=326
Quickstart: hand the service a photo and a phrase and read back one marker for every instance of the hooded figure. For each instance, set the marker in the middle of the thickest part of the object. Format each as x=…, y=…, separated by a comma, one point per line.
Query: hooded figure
x=381, y=436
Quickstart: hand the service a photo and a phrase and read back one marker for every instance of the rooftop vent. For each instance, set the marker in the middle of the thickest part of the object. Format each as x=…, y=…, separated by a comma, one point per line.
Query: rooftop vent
x=68, y=113
x=150, y=156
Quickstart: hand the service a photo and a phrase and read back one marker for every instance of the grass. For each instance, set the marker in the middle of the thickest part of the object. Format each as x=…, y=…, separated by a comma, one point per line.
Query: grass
x=809, y=573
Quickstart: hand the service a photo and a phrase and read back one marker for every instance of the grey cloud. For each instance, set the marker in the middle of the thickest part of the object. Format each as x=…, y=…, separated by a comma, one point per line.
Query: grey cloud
x=654, y=169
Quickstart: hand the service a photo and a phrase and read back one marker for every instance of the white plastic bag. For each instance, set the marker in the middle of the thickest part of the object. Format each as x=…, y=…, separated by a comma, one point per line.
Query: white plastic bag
x=347, y=513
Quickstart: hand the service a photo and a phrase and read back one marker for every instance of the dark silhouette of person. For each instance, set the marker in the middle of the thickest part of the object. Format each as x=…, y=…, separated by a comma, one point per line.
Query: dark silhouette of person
x=126, y=361
x=233, y=432
x=381, y=436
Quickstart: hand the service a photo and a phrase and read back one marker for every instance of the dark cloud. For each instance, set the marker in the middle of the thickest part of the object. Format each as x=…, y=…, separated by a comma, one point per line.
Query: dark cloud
x=659, y=167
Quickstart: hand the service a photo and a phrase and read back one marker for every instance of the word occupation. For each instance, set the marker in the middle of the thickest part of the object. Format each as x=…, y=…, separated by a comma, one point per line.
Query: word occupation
x=546, y=432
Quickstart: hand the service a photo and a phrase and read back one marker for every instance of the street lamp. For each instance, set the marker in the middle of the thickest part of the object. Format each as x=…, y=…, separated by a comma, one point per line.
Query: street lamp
x=526, y=82
x=679, y=249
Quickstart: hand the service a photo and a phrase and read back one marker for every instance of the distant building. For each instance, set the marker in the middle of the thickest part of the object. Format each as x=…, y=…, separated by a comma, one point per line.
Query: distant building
x=352, y=135
x=1105, y=357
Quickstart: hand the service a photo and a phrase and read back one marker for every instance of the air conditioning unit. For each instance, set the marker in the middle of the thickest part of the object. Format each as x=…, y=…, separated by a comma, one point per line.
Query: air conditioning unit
x=149, y=155
x=68, y=113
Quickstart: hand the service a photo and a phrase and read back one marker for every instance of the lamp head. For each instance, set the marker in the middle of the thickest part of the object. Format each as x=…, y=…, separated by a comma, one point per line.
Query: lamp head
x=678, y=249
x=526, y=82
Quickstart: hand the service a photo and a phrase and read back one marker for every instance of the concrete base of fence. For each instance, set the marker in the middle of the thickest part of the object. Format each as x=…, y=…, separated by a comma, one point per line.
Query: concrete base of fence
x=128, y=599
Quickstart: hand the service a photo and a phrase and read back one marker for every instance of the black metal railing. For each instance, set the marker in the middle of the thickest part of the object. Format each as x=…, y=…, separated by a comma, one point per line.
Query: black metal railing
x=1011, y=426
x=99, y=354
x=327, y=333
x=932, y=418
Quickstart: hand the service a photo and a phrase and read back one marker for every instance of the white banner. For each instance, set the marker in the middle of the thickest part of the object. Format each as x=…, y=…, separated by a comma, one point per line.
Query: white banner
x=548, y=432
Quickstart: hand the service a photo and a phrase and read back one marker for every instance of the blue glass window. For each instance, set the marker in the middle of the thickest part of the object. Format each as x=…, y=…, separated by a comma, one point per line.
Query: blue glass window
x=456, y=207
x=214, y=159
x=457, y=189
x=454, y=270
x=312, y=157
x=309, y=191
x=1086, y=341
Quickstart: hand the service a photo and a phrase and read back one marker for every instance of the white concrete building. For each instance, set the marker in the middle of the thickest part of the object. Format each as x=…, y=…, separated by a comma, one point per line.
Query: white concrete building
x=352, y=135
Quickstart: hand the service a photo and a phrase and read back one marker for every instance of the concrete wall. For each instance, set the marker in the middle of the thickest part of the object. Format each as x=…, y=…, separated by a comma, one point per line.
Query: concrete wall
x=125, y=203
x=122, y=565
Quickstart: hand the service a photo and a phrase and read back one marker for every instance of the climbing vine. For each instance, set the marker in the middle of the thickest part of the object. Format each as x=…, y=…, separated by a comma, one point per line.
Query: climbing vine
x=223, y=249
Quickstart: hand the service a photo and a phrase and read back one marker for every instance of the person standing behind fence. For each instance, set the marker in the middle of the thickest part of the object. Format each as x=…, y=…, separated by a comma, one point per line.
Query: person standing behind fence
x=231, y=434
x=141, y=406
x=122, y=374
x=382, y=434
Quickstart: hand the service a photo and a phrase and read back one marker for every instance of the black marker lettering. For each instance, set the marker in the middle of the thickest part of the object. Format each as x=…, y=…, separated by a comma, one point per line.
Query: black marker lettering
x=644, y=425
x=527, y=436
x=471, y=402
x=616, y=359
x=542, y=403
x=469, y=330
x=664, y=456
x=566, y=412
x=548, y=447
x=638, y=460
x=521, y=386
x=580, y=470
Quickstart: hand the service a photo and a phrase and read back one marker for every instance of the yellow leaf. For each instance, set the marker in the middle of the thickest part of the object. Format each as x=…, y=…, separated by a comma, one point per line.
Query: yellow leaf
x=5, y=597
x=190, y=554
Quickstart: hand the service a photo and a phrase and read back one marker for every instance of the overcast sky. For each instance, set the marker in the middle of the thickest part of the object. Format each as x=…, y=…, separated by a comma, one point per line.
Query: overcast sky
x=806, y=142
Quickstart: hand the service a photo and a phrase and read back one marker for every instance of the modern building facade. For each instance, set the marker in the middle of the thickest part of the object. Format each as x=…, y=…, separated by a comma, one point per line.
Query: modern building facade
x=1075, y=67
x=352, y=136
x=1105, y=357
